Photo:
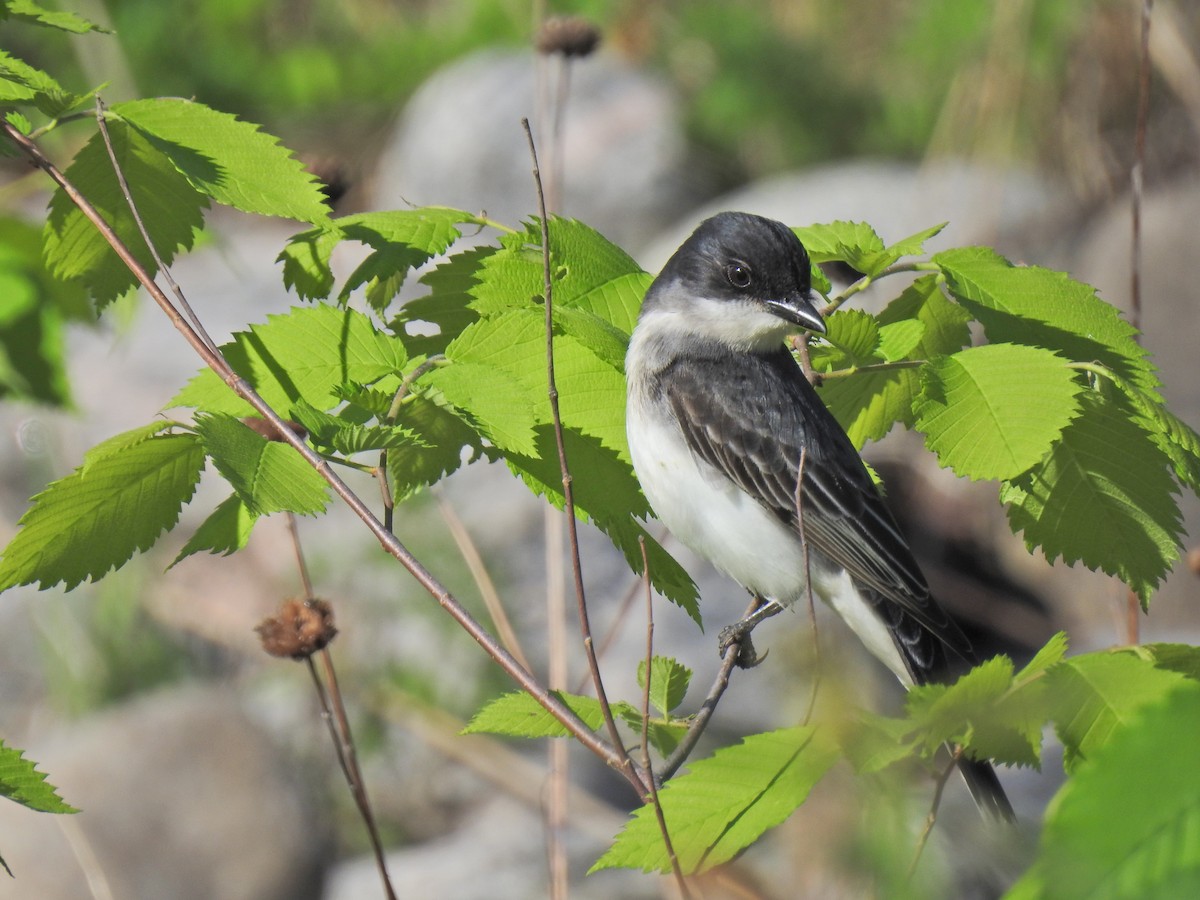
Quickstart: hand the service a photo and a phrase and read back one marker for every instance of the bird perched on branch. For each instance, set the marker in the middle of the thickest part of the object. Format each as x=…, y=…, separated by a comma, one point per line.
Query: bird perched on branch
x=741, y=460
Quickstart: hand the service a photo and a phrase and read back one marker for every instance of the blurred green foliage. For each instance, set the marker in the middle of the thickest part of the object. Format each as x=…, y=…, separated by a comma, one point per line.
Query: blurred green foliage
x=767, y=84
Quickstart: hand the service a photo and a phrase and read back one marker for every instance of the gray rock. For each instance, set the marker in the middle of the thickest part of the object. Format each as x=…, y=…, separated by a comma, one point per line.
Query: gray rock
x=182, y=796
x=460, y=143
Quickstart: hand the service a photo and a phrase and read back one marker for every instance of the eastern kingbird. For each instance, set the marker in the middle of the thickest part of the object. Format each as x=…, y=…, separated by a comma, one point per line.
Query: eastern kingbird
x=722, y=424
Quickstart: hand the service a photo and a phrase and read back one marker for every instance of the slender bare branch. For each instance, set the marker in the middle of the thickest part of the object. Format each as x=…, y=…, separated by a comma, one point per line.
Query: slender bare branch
x=680, y=882
x=568, y=491
x=931, y=818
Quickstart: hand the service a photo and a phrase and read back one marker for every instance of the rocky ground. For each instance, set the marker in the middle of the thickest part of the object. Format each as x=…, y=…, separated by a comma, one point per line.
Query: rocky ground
x=224, y=786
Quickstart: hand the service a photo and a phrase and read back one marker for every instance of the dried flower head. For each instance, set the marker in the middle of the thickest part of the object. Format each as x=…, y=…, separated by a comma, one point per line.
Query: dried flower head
x=299, y=629
x=568, y=35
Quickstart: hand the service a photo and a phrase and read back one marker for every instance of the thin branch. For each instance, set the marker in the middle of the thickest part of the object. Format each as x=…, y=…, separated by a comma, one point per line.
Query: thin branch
x=388, y=541
x=646, y=764
x=101, y=121
x=873, y=367
x=568, y=492
x=343, y=738
x=483, y=579
x=931, y=818
x=343, y=745
x=707, y=708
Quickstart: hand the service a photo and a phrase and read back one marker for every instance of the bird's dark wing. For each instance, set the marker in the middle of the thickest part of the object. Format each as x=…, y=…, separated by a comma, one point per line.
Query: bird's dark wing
x=753, y=417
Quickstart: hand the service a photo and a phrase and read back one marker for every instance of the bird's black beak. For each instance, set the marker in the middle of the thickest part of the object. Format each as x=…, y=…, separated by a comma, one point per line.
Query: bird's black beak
x=798, y=310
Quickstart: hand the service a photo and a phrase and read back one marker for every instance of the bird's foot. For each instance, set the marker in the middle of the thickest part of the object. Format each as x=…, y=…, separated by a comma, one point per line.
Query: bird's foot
x=739, y=633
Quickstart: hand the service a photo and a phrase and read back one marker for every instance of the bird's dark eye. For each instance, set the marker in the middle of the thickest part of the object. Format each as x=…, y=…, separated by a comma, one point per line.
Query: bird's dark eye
x=738, y=275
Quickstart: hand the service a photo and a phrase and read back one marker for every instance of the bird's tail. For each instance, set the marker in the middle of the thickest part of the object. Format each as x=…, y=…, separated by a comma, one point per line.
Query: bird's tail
x=985, y=788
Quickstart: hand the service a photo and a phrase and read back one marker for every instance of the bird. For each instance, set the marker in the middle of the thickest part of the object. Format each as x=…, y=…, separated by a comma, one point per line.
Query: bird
x=743, y=463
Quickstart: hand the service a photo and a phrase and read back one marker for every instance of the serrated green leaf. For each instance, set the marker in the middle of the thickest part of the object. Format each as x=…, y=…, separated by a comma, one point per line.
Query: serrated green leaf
x=872, y=742
x=517, y=714
x=120, y=442
x=914, y=245
x=19, y=122
x=994, y=411
x=170, y=207
x=1174, y=437
x=492, y=400
x=856, y=334
x=1044, y=308
x=945, y=711
x=90, y=522
x=1051, y=653
x=28, y=11
x=225, y=532
x=445, y=439
x=662, y=733
x=21, y=782
x=1093, y=695
x=268, y=476
x=348, y=437
x=305, y=354
x=1125, y=825
x=22, y=83
x=227, y=159
x=401, y=239
x=868, y=404
x=899, y=339
x=669, y=680
x=1181, y=658
x=725, y=802
x=1103, y=496
x=854, y=243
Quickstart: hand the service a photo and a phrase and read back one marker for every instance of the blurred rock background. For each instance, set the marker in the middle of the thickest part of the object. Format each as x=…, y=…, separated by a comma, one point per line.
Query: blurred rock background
x=202, y=766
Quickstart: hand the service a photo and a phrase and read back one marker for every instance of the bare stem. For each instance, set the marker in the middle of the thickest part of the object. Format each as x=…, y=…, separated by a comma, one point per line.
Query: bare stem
x=646, y=764
x=215, y=361
x=931, y=818
x=707, y=708
x=568, y=492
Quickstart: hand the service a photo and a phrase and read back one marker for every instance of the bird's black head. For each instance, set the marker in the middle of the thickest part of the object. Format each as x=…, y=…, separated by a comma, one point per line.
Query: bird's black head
x=745, y=276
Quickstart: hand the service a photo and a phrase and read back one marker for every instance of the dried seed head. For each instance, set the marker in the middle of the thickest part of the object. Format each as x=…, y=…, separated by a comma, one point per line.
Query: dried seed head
x=299, y=629
x=263, y=427
x=568, y=35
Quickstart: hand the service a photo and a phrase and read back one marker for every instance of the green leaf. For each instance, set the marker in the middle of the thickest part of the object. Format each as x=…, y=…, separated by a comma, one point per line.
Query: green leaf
x=995, y=411
x=513, y=346
x=854, y=243
x=21, y=83
x=92, y=521
x=914, y=245
x=517, y=714
x=1174, y=437
x=491, y=400
x=1040, y=307
x=225, y=532
x=606, y=493
x=170, y=208
x=28, y=11
x=121, y=442
x=1094, y=695
x=1103, y=496
x=227, y=159
x=725, y=802
x=868, y=404
x=444, y=438
x=856, y=334
x=669, y=680
x=305, y=354
x=402, y=240
x=21, y=782
x=899, y=339
x=1125, y=824
x=268, y=476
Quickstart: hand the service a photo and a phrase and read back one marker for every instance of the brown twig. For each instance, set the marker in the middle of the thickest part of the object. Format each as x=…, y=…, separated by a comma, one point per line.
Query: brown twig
x=625, y=762
x=102, y=122
x=388, y=541
x=1132, y=603
x=646, y=764
x=931, y=818
x=708, y=707
x=338, y=722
